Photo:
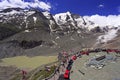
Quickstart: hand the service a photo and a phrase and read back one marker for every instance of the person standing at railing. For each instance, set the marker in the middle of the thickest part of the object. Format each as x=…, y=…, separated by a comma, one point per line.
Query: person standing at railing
x=24, y=73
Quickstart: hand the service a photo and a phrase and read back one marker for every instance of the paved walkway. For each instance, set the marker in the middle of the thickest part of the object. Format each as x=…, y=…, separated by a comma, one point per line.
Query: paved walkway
x=110, y=72
x=80, y=72
x=56, y=76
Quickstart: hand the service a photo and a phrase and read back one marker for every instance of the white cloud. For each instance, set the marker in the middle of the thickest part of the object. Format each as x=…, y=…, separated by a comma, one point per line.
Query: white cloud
x=101, y=6
x=22, y=4
x=113, y=20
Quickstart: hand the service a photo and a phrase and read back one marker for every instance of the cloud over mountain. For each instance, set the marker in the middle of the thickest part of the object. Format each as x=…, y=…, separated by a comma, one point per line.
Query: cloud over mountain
x=113, y=20
x=22, y=4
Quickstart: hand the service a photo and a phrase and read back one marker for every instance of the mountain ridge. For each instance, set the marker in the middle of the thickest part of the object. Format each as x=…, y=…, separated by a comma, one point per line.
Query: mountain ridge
x=53, y=33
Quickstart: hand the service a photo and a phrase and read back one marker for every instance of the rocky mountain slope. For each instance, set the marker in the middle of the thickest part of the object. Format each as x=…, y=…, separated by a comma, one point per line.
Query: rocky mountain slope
x=32, y=32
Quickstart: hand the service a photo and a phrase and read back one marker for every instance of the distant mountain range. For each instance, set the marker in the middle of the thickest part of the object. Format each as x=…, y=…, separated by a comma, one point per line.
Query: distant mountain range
x=32, y=32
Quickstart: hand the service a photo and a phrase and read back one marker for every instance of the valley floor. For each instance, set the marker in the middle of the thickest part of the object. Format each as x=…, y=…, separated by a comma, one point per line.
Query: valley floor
x=11, y=66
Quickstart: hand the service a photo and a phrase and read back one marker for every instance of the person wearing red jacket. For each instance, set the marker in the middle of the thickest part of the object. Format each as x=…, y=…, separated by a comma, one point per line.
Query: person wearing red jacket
x=66, y=74
x=109, y=50
x=24, y=75
x=74, y=57
x=84, y=53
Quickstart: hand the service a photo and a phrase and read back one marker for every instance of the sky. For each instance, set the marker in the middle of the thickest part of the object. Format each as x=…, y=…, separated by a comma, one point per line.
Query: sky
x=102, y=12
x=86, y=7
x=82, y=7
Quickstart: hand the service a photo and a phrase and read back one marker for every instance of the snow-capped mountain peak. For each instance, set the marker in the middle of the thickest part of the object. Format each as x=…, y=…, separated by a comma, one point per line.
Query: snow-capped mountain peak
x=47, y=14
x=73, y=21
x=22, y=19
x=61, y=18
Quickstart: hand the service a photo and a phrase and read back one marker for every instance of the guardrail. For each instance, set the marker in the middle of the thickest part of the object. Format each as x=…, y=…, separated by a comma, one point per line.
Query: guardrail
x=85, y=52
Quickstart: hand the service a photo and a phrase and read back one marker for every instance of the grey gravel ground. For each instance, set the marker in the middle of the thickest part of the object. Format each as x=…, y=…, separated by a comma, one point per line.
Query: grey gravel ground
x=109, y=72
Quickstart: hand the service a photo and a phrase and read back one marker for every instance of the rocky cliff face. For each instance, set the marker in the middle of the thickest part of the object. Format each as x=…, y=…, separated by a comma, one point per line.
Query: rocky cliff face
x=13, y=20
